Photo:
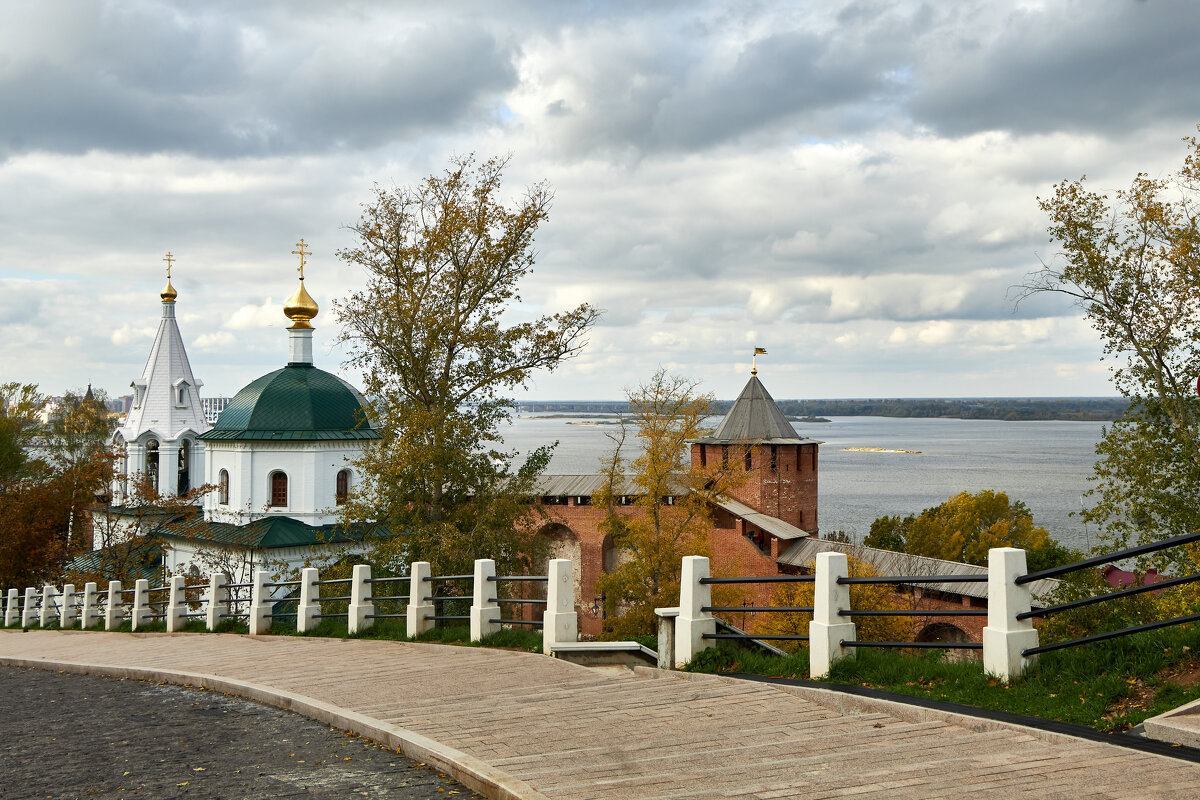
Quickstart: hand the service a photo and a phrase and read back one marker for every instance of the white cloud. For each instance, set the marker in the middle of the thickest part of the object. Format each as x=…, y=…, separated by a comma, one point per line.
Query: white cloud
x=251, y=316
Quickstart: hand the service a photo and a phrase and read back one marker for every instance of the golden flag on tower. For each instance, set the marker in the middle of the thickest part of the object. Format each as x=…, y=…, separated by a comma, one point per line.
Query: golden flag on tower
x=760, y=351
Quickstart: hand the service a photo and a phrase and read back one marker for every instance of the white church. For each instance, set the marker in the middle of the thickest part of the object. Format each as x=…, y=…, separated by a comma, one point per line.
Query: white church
x=279, y=458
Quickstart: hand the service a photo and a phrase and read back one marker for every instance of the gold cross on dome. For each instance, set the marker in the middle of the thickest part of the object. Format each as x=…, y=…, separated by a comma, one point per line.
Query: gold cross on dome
x=302, y=253
x=170, y=259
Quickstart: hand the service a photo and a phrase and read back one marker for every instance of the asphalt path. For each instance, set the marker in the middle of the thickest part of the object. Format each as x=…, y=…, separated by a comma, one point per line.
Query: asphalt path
x=83, y=736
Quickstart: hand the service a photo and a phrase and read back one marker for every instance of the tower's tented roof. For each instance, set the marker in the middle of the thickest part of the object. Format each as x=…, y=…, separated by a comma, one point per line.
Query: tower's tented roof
x=754, y=417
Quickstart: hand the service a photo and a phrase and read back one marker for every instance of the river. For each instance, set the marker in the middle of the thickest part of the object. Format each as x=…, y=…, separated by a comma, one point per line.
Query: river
x=1044, y=464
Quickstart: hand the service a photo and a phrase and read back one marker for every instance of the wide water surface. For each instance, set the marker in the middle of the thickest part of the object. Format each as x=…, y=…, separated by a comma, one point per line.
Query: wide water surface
x=1045, y=464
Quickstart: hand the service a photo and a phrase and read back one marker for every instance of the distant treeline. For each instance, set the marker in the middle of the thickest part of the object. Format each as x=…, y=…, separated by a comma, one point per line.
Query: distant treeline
x=1004, y=408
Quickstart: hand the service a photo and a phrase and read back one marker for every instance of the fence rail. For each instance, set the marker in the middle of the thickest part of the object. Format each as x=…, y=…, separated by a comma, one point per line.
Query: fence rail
x=1010, y=641
x=222, y=600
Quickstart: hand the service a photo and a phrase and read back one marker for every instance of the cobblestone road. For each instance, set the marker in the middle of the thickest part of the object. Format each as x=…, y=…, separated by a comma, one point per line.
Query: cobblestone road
x=83, y=736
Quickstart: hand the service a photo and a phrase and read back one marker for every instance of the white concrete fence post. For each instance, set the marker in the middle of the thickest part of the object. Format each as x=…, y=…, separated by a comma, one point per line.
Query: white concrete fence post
x=485, y=612
x=114, y=609
x=666, y=636
x=49, y=610
x=418, y=608
x=66, y=607
x=217, y=598
x=362, y=609
x=29, y=611
x=12, y=611
x=1005, y=636
x=560, y=623
x=260, y=604
x=692, y=623
x=176, y=605
x=89, y=615
x=142, y=610
x=829, y=629
x=310, y=600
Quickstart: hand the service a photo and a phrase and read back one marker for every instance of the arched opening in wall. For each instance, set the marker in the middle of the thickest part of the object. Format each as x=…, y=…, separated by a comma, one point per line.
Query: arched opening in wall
x=151, y=469
x=610, y=555
x=950, y=634
x=564, y=543
x=184, y=482
x=342, y=492
x=279, y=489
x=223, y=487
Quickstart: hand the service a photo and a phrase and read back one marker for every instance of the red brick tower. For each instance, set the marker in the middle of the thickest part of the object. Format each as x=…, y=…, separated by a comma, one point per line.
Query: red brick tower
x=780, y=465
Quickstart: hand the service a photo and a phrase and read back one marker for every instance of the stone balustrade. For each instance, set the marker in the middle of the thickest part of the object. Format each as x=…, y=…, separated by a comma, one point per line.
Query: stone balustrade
x=256, y=602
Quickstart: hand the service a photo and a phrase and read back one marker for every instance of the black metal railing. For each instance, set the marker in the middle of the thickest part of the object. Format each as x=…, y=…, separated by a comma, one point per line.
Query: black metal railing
x=1096, y=561
x=515, y=601
x=735, y=634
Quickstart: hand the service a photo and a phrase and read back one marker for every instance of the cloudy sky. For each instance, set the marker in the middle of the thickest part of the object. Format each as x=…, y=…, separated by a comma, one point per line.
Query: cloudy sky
x=851, y=185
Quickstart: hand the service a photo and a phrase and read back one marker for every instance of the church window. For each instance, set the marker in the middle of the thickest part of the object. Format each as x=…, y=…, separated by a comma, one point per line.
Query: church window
x=181, y=395
x=703, y=457
x=279, y=489
x=343, y=486
x=152, y=462
x=185, y=461
x=223, y=488
x=139, y=394
x=749, y=460
x=774, y=458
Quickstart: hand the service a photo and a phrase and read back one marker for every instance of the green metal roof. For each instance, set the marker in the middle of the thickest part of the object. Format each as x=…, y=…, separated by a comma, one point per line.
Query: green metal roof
x=268, y=532
x=298, y=402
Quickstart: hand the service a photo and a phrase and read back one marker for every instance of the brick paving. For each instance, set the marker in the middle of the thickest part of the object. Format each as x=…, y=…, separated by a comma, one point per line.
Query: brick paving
x=536, y=727
x=84, y=736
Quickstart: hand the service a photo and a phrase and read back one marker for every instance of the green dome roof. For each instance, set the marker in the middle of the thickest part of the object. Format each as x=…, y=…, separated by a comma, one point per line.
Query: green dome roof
x=297, y=402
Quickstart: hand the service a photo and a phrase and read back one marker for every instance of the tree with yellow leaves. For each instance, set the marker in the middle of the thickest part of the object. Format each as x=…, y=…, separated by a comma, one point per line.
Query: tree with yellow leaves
x=866, y=596
x=965, y=527
x=658, y=506
x=1132, y=264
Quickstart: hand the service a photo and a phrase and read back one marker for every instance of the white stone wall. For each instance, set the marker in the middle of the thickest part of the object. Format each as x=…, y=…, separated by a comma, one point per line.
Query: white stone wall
x=311, y=467
x=182, y=554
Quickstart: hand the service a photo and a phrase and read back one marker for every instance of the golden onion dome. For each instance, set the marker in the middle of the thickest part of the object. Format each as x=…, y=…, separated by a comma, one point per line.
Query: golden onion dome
x=168, y=293
x=300, y=307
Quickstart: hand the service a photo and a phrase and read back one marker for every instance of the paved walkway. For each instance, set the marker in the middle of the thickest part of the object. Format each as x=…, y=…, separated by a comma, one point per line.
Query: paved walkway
x=523, y=725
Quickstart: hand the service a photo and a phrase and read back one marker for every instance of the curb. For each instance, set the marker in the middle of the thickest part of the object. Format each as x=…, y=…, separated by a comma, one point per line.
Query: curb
x=466, y=769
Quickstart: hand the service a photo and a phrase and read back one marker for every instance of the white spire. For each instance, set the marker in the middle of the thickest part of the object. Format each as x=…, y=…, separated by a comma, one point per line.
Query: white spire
x=166, y=398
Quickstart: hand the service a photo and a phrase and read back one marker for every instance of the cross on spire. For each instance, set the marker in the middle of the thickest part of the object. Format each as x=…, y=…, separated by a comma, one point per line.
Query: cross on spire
x=302, y=253
x=170, y=259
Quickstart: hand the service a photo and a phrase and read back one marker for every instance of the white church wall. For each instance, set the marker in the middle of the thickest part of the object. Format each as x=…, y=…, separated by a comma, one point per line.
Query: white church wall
x=311, y=469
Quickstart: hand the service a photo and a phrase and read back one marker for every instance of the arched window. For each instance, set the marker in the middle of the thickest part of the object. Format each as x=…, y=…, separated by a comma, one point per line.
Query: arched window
x=279, y=489
x=185, y=461
x=343, y=486
x=223, y=488
x=152, y=462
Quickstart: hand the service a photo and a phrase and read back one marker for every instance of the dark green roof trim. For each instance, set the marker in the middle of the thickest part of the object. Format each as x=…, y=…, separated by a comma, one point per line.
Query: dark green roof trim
x=147, y=554
x=304, y=436
x=296, y=403
x=268, y=532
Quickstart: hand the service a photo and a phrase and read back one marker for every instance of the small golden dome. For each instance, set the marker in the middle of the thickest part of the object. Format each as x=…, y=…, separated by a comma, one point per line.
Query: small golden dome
x=300, y=307
x=168, y=292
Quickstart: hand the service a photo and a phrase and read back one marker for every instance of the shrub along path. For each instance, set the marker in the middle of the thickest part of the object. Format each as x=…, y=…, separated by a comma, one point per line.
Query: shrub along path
x=522, y=725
